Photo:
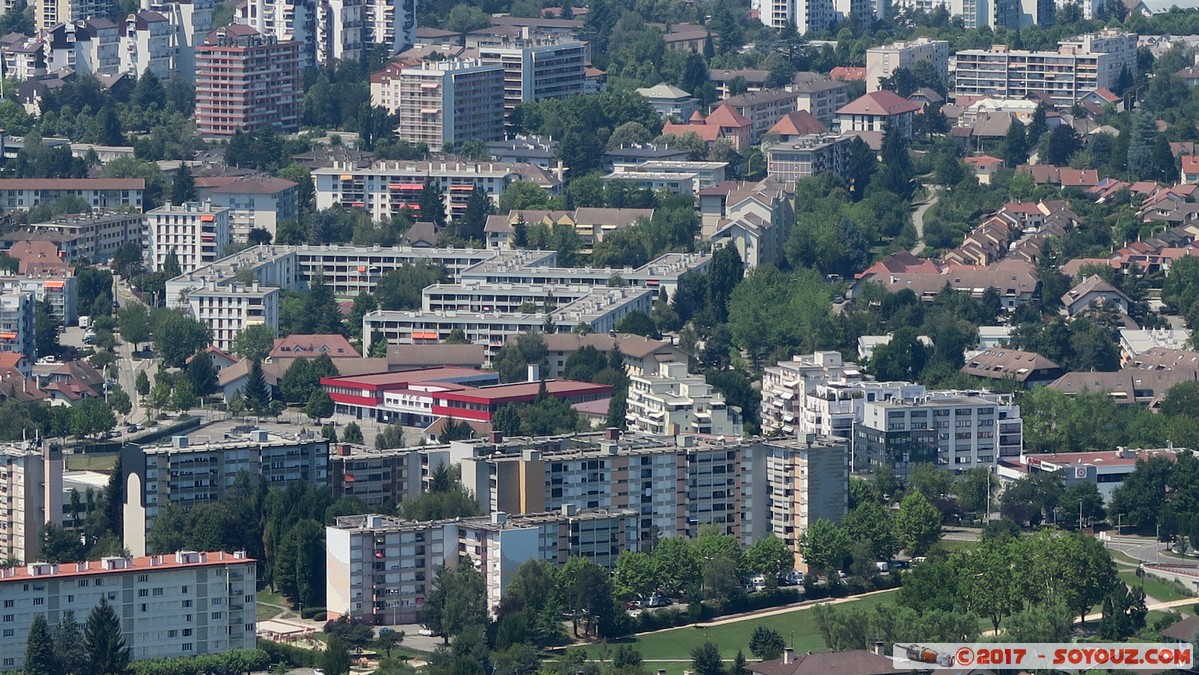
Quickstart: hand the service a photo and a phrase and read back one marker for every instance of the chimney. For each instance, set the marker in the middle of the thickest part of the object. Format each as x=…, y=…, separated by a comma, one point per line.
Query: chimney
x=534, y=372
x=495, y=437
x=343, y=450
x=788, y=656
x=612, y=434
x=880, y=648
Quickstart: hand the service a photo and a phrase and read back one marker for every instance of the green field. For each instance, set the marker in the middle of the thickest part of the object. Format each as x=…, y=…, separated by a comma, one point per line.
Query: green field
x=796, y=626
x=267, y=604
x=1155, y=588
x=96, y=462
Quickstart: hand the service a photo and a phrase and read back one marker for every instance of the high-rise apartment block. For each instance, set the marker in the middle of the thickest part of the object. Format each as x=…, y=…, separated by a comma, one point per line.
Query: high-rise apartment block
x=147, y=43
x=381, y=568
x=538, y=69
x=808, y=16
x=882, y=61
x=49, y=13
x=227, y=310
x=181, y=604
x=245, y=81
x=334, y=29
x=30, y=497
x=446, y=103
x=86, y=46
x=1078, y=67
x=196, y=232
x=192, y=21
x=189, y=474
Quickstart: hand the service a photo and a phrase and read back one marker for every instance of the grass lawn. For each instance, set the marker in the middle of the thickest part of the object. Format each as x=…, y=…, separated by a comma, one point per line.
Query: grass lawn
x=95, y=462
x=1155, y=588
x=1122, y=557
x=267, y=604
x=796, y=626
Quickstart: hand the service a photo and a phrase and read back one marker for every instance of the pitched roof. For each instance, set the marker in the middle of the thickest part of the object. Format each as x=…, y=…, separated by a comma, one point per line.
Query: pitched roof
x=798, y=124
x=258, y=185
x=408, y=357
x=727, y=117
x=882, y=102
x=663, y=90
x=984, y=160
x=1092, y=284
x=632, y=346
x=1002, y=363
x=1183, y=631
x=848, y=73
x=853, y=662
x=336, y=346
x=1190, y=163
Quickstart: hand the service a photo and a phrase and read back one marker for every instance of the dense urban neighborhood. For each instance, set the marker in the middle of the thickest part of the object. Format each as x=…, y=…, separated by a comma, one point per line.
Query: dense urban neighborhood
x=613, y=338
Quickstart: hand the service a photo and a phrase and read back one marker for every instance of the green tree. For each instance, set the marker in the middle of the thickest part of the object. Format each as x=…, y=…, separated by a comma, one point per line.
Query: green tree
x=255, y=392
x=68, y=643
x=478, y=207
x=974, y=488
x=634, y=574
x=514, y=358
x=676, y=564
x=39, y=649
x=824, y=546
x=254, y=342
x=432, y=203
x=335, y=658
x=319, y=406
x=917, y=523
x=770, y=557
x=299, y=564
x=91, y=416
x=177, y=337
x=521, y=195
x=870, y=522
x=119, y=401
x=184, y=397
x=107, y=653
x=457, y=603
x=391, y=436
x=134, y=323
x=1080, y=504
x=202, y=375
x=766, y=644
x=46, y=327
x=352, y=433
x=183, y=186
x=705, y=660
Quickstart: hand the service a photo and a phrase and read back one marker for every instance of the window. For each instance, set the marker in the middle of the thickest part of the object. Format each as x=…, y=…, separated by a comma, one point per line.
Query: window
x=187, y=646
x=157, y=591
x=187, y=632
x=8, y=603
x=8, y=632
x=143, y=578
x=8, y=618
x=187, y=604
x=143, y=592
x=173, y=633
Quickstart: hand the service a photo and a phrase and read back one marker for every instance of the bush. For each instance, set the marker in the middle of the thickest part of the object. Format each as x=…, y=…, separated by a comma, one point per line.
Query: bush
x=312, y=612
x=236, y=661
x=286, y=654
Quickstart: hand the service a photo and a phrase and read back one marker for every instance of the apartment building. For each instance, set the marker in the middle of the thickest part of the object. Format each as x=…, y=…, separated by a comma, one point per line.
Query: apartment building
x=592, y=224
x=679, y=177
x=537, y=69
x=254, y=202
x=335, y=29
x=793, y=160
x=404, y=555
x=245, y=81
x=386, y=188
x=17, y=334
x=446, y=103
x=671, y=401
x=382, y=478
x=197, y=232
x=600, y=310
x=531, y=267
x=187, y=474
x=957, y=431
x=806, y=481
x=102, y=193
x=192, y=22
x=763, y=108
x=30, y=497
x=186, y=603
x=641, y=355
x=56, y=288
x=822, y=394
x=1078, y=67
x=293, y=20
x=819, y=95
x=95, y=236
x=882, y=61
x=878, y=111
x=147, y=43
x=227, y=310
x=85, y=45
x=807, y=16
x=49, y=13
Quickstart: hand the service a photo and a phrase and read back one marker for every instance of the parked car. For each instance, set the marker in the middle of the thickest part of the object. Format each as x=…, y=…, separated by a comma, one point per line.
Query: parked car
x=632, y=604
x=883, y=566
x=656, y=600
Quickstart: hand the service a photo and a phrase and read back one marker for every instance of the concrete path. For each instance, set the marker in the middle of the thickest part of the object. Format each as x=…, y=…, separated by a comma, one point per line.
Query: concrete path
x=934, y=193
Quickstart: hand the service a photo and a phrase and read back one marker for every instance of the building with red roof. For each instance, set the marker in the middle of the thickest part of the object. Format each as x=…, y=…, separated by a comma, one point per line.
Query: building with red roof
x=876, y=111
x=793, y=125
x=984, y=167
x=724, y=122
x=1190, y=169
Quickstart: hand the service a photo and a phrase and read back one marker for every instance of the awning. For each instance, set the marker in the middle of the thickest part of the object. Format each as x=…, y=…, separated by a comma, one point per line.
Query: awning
x=207, y=218
x=425, y=336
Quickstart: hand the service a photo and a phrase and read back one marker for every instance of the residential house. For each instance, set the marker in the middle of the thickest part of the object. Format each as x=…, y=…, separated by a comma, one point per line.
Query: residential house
x=795, y=125
x=1001, y=363
x=670, y=101
x=312, y=346
x=756, y=218
x=1094, y=290
x=877, y=111
x=984, y=167
x=724, y=122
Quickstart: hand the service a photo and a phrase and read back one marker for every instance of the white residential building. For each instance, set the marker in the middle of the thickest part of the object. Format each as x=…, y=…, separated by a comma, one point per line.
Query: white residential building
x=808, y=16
x=16, y=323
x=386, y=188
x=226, y=310
x=538, y=69
x=55, y=287
x=191, y=21
x=190, y=474
x=197, y=233
x=91, y=45
x=1078, y=67
x=330, y=29
x=671, y=402
x=30, y=497
x=821, y=394
x=253, y=201
x=806, y=481
x=882, y=61
x=49, y=13
x=957, y=431
x=446, y=103
x=23, y=194
x=381, y=568
x=180, y=604
x=147, y=43
x=95, y=236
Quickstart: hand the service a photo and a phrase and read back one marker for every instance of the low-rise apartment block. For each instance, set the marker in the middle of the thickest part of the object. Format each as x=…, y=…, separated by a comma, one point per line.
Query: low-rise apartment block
x=17, y=334
x=185, y=603
x=883, y=61
x=188, y=474
x=94, y=236
x=819, y=95
x=56, y=288
x=956, y=431
x=381, y=568
x=763, y=108
x=1078, y=67
x=254, y=202
x=196, y=232
x=386, y=188
x=679, y=177
x=671, y=402
x=30, y=497
x=793, y=160
x=22, y=194
x=227, y=310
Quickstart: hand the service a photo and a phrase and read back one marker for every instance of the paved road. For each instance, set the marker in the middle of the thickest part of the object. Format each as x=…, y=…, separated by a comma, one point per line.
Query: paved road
x=934, y=193
x=128, y=367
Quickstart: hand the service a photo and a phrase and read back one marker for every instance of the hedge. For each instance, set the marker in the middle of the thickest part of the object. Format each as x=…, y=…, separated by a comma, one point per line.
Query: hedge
x=233, y=662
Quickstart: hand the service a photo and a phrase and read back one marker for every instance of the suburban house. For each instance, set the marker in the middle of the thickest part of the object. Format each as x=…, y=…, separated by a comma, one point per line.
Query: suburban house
x=1093, y=290
x=876, y=111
